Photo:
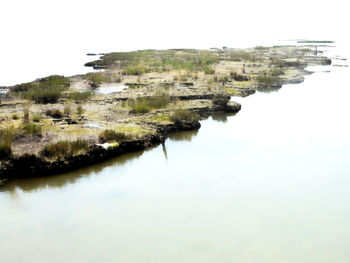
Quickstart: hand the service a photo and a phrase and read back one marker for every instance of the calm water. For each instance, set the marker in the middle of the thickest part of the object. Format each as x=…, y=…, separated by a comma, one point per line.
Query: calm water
x=270, y=184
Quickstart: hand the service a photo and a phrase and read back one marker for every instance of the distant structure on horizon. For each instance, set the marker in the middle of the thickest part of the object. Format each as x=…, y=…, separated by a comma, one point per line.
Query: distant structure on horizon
x=3, y=91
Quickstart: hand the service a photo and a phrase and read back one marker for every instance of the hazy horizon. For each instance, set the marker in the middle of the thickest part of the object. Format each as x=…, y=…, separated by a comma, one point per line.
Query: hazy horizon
x=40, y=38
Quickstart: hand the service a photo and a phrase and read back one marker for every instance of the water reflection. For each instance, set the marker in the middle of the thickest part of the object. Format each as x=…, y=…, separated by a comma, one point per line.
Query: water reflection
x=270, y=183
x=183, y=135
x=222, y=117
x=62, y=180
x=269, y=89
x=165, y=151
x=109, y=88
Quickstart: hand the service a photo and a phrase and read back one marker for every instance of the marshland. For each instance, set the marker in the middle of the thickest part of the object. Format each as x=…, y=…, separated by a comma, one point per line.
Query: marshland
x=133, y=100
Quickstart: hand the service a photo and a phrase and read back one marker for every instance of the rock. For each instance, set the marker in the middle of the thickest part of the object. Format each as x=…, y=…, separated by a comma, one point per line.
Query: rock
x=233, y=106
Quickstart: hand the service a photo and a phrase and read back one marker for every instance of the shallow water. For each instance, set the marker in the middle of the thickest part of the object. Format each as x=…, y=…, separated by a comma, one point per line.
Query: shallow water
x=110, y=88
x=267, y=185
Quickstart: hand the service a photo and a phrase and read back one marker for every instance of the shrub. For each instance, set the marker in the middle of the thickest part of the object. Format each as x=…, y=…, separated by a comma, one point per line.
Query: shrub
x=238, y=77
x=220, y=101
x=183, y=78
x=26, y=114
x=96, y=78
x=79, y=145
x=145, y=104
x=79, y=96
x=267, y=80
x=221, y=79
x=238, y=55
x=183, y=115
x=111, y=135
x=44, y=96
x=32, y=128
x=15, y=116
x=143, y=61
x=208, y=70
x=6, y=136
x=67, y=108
x=36, y=118
x=64, y=148
x=45, y=90
x=80, y=110
x=136, y=71
x=55, y=113
x=275, y=72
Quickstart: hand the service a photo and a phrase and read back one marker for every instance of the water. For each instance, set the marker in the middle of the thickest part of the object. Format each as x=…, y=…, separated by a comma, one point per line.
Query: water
x=269, y=185
x=110, y=88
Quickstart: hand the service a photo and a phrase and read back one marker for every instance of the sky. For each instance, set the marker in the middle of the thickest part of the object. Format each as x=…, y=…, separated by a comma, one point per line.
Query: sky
x=46, y=37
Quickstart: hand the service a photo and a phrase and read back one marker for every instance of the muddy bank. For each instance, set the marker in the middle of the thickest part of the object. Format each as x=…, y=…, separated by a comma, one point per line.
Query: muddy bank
x=34, y=165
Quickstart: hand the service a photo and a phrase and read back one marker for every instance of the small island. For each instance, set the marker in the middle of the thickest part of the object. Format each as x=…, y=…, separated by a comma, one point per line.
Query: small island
x=133, y=101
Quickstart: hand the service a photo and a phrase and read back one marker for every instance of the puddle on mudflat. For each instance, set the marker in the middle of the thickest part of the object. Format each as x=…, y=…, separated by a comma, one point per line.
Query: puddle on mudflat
x=110, y=88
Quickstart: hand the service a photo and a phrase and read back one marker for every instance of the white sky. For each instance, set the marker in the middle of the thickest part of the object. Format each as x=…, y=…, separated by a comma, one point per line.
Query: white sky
x=37, y=34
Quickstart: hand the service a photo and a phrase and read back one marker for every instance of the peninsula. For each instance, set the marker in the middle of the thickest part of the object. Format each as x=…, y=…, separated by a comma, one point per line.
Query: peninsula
x=132, y=101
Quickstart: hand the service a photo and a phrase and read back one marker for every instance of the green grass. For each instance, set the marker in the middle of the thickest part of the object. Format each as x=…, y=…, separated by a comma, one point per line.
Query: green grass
x=112, y=136
x=65, y=148
x=79, y=96
x=36, y=118
x=136, y=71
x=6, y=137
x=183, y=115
x=239, y=55
x=45, y=90
x=143, y=61
x=161, y=118
x=267, y=80
x=146, y=104
x=316, y=41
x=32, y=128
x=97, y=77
x=80, y=110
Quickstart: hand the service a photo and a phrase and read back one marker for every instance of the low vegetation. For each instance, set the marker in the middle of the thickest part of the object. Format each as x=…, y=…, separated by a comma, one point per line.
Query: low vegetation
x=112, y=136
x=45, y=90
x=80, y=110
x=146, y=104
x=32, y=128
x=65, y=148
x=316, y=41
x=54, y=113
x=267, y=80
x=26, y=114
x=136, y=70
x=239, y=55
x=183, y=115
x=238, y=77
x=6, y=137
x=220, y=101
x=169, y=85
x=96, y=78
x=36, y=118
x=144, y=61
x=79, y=96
